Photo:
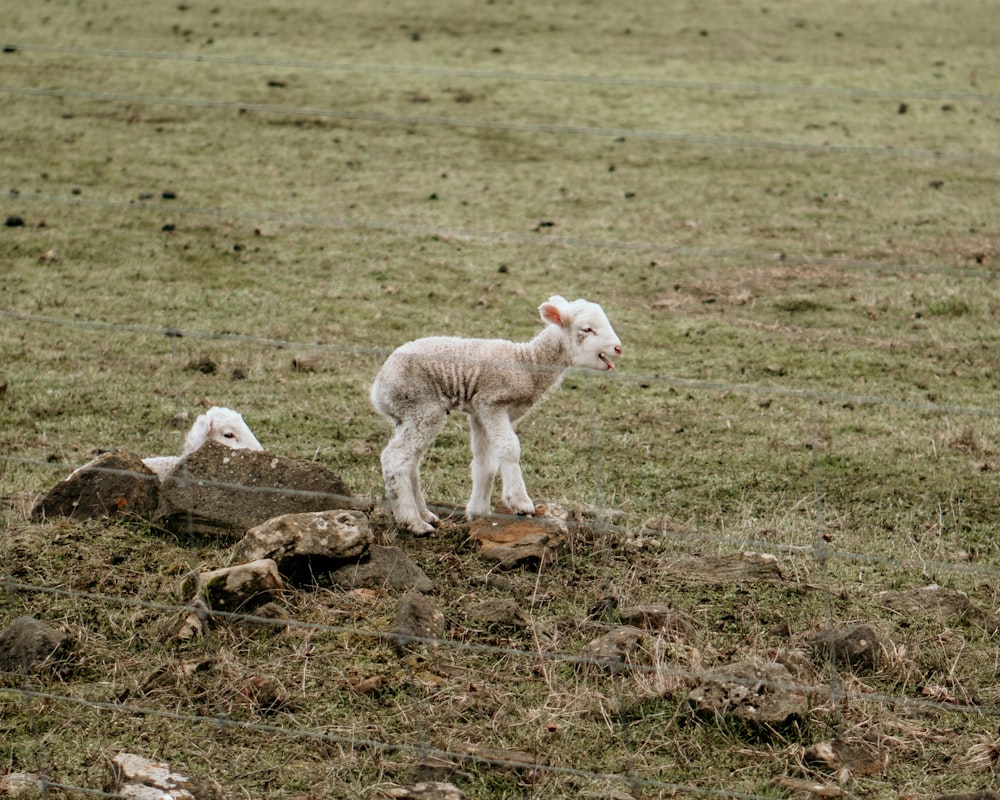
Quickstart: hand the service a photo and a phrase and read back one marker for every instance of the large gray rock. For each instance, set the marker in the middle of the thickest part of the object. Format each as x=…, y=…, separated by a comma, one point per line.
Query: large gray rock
x=113, y=484
x=218, y=491
x=27, y=645
x=303, y=545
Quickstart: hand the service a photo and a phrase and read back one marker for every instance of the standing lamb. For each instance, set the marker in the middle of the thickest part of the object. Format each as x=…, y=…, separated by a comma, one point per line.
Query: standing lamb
x=495, y=382
x=222, y=425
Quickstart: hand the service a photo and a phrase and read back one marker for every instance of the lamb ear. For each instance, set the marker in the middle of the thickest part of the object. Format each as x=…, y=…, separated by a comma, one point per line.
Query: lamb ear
x=554, y=311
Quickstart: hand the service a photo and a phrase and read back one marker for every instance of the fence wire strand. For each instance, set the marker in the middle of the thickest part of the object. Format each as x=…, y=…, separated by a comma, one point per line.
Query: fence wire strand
x=548, y=129
x=507, y=75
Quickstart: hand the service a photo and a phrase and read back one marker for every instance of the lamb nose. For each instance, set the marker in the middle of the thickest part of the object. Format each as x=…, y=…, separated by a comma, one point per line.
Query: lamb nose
x=618, y=349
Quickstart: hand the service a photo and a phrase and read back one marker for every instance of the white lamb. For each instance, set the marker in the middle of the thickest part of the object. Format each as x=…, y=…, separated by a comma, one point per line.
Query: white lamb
x=222, y=425
x=495, y=382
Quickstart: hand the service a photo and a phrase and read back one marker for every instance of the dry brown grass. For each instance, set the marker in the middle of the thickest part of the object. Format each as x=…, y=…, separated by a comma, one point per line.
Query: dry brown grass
x=790, y=217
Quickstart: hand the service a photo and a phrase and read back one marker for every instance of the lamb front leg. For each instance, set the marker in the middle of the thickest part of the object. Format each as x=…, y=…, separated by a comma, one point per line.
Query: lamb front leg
x=484, y=471
x=506, y=449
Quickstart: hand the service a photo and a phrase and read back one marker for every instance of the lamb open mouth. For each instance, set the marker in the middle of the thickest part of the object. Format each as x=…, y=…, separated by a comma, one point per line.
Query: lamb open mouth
x=606, y=360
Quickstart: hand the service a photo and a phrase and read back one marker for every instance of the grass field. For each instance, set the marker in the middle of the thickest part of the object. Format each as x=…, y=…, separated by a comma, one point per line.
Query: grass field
x=788, y=210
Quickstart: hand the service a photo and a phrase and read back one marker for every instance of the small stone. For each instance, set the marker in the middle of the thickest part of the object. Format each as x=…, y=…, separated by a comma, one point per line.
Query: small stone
x=660, y=618
x=244, y=587
x=427, y=790
x=844, y=758
x=380, y=568
x=28, y=645
x=504, y=613
x=417, y=619
x=857, y=646
x=611, y=652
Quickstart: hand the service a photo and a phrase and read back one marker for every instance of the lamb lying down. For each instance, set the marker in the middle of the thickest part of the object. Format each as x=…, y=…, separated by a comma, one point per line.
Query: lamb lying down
x=495, y=382
x=220, y=424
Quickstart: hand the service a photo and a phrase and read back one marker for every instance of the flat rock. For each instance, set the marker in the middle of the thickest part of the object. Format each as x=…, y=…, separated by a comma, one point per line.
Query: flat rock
x=504, y=758
x=513, y=541
x=660, y=618
x=382, y=567
x=140, y=778
x=752, y=691
x=943, y=603
x=809, y=788
x=431, y=767
x=30, y=646
x=428, y=790
x=845, y=758
x=113, y=484
x=501, y=612
x=218, y=491
x=736, y=568
x=981, y=794
x=304, y=544
x=22, y=784
x=611, y=652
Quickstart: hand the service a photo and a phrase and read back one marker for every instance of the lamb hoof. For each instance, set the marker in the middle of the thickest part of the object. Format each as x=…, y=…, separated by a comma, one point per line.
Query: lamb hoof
x=525, y=509
x=413, y=524
x=430, y=517
x=419, y=528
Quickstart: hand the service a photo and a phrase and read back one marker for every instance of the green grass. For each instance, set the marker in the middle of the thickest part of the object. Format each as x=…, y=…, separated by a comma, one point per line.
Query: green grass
x=788, y=211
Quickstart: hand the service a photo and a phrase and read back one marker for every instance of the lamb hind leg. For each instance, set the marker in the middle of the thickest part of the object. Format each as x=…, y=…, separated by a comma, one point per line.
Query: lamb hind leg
x=401, y=470
x=426, y=514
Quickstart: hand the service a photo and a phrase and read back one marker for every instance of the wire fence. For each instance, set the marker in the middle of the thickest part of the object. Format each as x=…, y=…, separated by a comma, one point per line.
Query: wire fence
x=818, y=552
x=492, y=236
x=493, y=75
x=557, y=130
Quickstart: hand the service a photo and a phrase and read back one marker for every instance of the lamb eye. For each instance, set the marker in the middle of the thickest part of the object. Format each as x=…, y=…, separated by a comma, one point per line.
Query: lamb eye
x=587, y=330
x=229, y=435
